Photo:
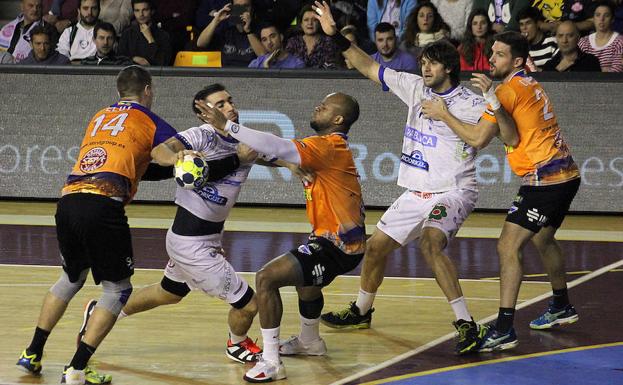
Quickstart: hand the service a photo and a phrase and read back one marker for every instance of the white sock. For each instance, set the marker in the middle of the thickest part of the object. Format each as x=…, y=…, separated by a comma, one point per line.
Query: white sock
x=236, y=339
x=121, y=315
x=364, y=301
x=270, y=339
x=459, y=306
x=310, y=330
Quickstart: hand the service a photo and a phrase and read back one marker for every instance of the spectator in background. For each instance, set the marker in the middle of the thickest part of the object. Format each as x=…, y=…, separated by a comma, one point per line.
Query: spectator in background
x=503, y=13
x=579, y=12
x=424, y=25
x=60, y=13
x=569, y=56
x=206, y=11
x=105, y=36
x=115, y=12
x=475, y=47
x=388, y=54
x=173, y=17
x=280, y=12
x=542, y=48
x=394, y=12
x=77, y=42
x=277, y=57
x=15, y=36
x=143, y=41
x=604, y=43
x=42, y=52
x=235, y=39
x=455, y=13
x=353, y=14
x=6, y=58
x=315, y=48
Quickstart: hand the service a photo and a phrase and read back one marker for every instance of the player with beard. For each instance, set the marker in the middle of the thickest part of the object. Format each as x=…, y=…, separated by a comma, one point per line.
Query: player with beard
x=335, y=211
x=550, y=180
x=77, y=41
x=388, y=53
x=438, y=173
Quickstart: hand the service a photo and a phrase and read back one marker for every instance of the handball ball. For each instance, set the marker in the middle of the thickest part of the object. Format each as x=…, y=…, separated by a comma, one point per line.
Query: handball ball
x=191, y=172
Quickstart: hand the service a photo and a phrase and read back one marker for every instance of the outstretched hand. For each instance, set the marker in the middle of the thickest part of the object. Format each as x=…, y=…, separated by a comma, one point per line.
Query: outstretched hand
x=322, y=13
x=211, y=115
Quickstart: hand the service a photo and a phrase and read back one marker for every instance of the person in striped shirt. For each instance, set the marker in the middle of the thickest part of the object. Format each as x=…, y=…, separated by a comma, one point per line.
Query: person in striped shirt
x=605, y=43
x=542, y=48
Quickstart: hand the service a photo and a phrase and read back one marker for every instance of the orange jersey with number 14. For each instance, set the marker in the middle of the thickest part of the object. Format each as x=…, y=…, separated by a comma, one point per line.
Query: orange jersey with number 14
x=542, y=156
x=116, y=150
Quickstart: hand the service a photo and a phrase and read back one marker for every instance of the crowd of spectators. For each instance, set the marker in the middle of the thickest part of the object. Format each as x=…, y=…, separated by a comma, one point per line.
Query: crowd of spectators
x=564, y=35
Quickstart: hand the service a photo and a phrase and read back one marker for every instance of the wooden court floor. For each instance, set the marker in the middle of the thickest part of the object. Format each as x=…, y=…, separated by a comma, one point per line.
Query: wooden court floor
x=184, y=343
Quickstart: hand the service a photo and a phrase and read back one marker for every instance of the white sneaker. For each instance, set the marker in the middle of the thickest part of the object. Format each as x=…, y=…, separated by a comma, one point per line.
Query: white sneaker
x=266, y=371
x=293, y=346
x=73, y=376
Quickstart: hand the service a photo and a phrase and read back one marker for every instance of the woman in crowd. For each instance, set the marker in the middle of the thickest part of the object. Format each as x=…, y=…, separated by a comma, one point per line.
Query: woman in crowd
x=475, y=47
x=311, y=45
x=605, y=43
x=424, y=25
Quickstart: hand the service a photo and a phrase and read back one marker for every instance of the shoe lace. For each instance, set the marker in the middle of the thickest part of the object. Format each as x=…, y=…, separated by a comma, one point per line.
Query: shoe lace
x=464, y=329
x=251, y=346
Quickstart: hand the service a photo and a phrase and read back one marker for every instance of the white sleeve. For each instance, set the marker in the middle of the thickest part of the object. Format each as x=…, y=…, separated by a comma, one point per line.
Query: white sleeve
x=63, y=43
x=408, y=87
x=265, y=143
x=197, y=138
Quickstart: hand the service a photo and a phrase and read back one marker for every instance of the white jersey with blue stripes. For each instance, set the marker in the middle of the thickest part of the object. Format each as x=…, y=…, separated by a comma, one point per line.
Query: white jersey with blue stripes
x=213, y=201
x=434, y=158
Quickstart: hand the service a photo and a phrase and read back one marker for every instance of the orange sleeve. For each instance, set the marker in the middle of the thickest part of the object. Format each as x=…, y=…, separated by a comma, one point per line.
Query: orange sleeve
x=316, y=152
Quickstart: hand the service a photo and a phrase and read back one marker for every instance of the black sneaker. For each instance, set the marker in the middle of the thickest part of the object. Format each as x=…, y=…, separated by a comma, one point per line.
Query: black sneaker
x=88, y=310
x=348, y=318
x=470, y=336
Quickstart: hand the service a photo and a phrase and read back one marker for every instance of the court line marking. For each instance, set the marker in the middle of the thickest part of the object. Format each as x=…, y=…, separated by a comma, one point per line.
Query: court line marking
x=489, y=362
x=301, y=227
x=449, y=336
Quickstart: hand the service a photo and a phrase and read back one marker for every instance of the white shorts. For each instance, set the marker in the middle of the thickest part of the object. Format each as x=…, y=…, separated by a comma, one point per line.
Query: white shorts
x=199, y=262
x=409, y=214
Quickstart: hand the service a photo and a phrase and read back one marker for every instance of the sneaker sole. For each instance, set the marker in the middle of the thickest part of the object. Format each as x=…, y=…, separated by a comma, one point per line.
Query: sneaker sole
x=334, y=326
x=26, y=370
x=562, y=321
x=303, y=354
x=280, y=376
x=238, y=360
x=506, y=346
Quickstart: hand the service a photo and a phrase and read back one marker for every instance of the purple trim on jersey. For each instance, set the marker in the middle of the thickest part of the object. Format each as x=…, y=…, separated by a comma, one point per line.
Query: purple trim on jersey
x=446, y=92
x=184, y=141
x=229, y=139
x=384, y=86
x=163, y=129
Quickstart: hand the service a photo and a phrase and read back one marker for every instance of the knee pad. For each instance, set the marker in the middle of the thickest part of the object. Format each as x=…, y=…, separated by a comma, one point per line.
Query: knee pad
x=246, y=298
x=115, y=295
x=65, y=290
x=179, y=289
x=311, y=309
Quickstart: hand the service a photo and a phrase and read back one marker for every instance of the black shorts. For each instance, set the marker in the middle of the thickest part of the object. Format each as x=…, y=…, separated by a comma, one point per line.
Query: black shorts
x=93, y=232
x=536, y=207
x=322, y=261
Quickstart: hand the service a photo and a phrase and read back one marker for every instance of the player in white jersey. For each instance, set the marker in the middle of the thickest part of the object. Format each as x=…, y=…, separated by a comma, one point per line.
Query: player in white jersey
x=437, y=171
x=193, y=242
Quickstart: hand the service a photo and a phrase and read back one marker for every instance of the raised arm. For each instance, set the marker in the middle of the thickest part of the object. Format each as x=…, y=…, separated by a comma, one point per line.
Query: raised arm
x=205, y=37
x=358, y=58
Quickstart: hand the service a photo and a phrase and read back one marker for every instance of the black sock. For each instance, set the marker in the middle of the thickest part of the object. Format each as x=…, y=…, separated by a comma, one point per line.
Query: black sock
x=561, y=298
x=82, y=356
x=38, y=342
x=505, y=319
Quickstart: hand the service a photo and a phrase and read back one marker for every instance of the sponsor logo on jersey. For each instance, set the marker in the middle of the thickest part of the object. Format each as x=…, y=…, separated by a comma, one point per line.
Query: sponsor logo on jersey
x=210, y=193
x=93, y=159
x=419, y=137
x=416, y=159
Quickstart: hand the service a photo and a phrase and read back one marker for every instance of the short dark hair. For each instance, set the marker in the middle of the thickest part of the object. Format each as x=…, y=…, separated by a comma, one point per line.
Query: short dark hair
x=151, y=4
x=518, y=43
x=104, y=27
x=80, y=3
x=132, y=80
x=205, y=92
x=529, y=13
x=41, y=29
x=442, y=51
x=349, y=110
x=604, y=3
x=384, y=27
x=268, y=24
